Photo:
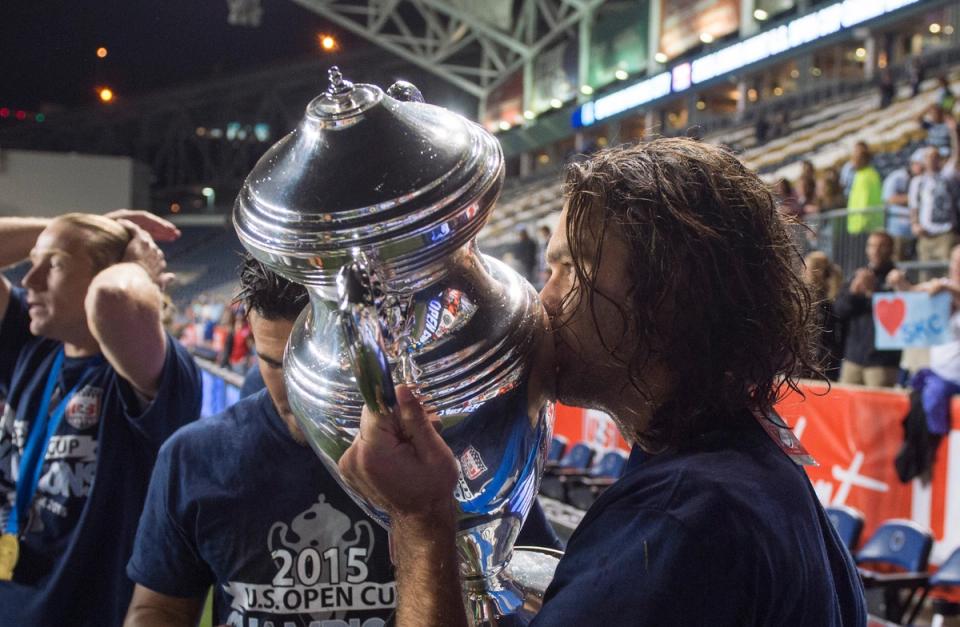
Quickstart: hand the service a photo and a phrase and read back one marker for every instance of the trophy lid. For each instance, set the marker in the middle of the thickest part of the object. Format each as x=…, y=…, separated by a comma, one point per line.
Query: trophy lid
x=404, y=182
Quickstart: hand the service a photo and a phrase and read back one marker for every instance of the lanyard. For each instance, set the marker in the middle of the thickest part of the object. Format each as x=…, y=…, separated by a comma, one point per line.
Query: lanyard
x=45, y=425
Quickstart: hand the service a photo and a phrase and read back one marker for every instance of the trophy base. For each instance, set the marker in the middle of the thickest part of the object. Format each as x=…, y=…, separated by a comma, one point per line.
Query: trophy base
x=511, y=597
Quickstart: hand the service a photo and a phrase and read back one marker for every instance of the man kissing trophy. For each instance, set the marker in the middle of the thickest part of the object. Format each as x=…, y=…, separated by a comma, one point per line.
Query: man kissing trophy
x=374, y=203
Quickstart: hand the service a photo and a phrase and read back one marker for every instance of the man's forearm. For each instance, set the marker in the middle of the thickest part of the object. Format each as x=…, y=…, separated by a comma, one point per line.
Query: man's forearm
x=18, y=236
x=152, y=609
x=123, y=307
x=156, y=617
x=429, y=593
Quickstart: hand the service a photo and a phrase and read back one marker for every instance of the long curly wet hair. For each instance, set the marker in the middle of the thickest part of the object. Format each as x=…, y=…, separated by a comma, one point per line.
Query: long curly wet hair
x=716, y=292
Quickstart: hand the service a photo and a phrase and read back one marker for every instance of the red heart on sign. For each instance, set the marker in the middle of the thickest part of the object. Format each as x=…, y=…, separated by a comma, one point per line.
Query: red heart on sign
x=891, y=313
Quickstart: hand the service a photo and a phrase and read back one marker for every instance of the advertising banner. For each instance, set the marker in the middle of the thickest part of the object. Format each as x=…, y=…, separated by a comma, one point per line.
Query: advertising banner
x=854, y=434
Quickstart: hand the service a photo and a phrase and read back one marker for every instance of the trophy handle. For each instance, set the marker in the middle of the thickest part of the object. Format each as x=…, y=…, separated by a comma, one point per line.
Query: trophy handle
x=363, y=334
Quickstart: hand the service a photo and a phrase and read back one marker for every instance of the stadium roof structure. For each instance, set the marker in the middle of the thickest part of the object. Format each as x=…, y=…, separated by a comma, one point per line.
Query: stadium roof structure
x=473, y=45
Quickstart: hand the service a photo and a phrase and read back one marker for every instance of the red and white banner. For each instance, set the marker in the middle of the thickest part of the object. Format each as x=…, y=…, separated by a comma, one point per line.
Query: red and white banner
x=854, y=434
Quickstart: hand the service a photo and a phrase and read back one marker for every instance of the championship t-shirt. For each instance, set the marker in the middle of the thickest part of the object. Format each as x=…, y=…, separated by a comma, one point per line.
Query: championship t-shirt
x=726, y=532
x=236, y=503
x=94, y=475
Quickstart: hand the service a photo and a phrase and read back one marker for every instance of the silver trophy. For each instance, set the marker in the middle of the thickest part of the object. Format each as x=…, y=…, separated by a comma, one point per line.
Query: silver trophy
x=373, y=203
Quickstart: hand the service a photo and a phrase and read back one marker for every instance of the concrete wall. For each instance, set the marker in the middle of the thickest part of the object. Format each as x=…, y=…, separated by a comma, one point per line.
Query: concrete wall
x=49, y=183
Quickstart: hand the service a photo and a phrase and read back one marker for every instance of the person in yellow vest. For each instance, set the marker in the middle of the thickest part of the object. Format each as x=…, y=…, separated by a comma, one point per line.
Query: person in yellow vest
x=865, y=202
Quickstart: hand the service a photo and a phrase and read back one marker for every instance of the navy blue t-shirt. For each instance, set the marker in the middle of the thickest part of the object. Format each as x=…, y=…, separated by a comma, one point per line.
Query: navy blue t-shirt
x=94, y=476
x=726, y=532
x=236, y=503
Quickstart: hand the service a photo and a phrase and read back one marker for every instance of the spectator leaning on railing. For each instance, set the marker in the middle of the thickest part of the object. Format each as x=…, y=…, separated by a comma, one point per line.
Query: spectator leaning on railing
x=934, y=197
x=896, y=197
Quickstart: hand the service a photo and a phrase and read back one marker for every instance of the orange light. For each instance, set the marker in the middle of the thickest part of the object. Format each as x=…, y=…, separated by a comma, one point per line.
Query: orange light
x=106, y=94
x=327, y=42
x=101, y=53
x=175, y=207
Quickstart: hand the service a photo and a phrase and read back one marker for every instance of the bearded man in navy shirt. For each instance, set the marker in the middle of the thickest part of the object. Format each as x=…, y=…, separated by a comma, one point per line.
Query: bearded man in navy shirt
x=93, y=386
x=678, y=308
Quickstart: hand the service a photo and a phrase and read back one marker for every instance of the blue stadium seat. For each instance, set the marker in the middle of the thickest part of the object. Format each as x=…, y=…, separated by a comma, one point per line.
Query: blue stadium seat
x=949, y=572
x=947, y=576
x=575, y=462
x=578, y=458
x=558, y=445
x=582, y=491
x=848, y=522
x=898, y=544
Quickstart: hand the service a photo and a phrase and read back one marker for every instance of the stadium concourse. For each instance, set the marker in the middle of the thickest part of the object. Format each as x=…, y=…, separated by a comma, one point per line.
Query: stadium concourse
x=848, y=112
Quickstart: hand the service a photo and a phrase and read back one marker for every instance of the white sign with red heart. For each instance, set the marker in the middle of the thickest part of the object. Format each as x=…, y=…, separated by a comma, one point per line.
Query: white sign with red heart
x=911, y=319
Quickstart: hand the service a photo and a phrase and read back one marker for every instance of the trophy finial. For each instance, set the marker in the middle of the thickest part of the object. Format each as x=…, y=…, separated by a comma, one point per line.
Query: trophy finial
x=338, y=85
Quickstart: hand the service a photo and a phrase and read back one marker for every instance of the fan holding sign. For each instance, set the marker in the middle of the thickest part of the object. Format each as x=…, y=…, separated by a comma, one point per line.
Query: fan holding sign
x=863, y=363
x=933, y=306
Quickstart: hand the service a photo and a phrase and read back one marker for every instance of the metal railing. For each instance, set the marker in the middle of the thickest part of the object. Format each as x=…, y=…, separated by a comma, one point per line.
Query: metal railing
x=842, y=234
x=221, y=387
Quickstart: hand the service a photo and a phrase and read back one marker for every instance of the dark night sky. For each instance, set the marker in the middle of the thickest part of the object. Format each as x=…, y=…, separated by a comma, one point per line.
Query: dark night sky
x=47, y=48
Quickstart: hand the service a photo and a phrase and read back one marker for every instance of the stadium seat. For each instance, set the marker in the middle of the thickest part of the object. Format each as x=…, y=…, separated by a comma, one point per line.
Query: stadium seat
x=948, y=576
x=848, y=523
x=558, y=446
x=575, y=462
x=582, y=491
x=897, y=545
x=578, y=457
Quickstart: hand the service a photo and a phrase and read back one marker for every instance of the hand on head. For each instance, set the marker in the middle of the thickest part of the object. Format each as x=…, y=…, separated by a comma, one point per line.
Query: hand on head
x=143, y=250
x=159, y=229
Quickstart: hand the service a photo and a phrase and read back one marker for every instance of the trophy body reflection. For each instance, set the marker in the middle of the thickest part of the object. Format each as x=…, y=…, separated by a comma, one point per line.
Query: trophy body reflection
x=373, y=203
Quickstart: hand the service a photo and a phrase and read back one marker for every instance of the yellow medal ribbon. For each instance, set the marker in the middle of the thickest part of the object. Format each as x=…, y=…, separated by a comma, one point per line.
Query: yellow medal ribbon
x=9, y=553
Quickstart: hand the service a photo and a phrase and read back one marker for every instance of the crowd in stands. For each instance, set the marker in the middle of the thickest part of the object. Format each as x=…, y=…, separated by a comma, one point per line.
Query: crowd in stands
x=217, y=331
x=910, y=214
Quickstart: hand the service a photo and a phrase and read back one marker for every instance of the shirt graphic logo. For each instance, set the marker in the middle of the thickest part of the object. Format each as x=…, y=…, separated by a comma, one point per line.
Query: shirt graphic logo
x=83, y=410
x=321, y=560
x=472, y=463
